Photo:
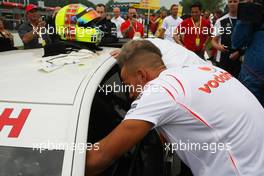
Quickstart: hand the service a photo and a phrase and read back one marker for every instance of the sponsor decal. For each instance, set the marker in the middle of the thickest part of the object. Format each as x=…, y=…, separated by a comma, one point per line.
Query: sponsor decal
x=208, y=69
x=214, y=83
x=16, y=123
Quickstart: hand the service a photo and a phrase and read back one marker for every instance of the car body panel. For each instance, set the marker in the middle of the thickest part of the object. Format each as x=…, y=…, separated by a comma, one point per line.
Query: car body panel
x=59, y=103
x=23, y=81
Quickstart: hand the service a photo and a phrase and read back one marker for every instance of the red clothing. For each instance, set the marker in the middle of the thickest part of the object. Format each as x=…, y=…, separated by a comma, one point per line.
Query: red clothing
x=137, y=27
x=192, y=34
x=152, y=26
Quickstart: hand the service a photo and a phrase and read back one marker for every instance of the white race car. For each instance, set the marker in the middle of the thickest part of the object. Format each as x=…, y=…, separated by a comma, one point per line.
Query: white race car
x=50, y=117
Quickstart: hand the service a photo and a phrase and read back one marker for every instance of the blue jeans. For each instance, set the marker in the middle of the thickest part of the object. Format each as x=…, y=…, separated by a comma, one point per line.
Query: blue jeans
x=253, y=83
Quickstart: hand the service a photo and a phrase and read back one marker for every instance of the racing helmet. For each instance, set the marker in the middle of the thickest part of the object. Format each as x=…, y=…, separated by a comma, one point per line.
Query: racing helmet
x=74, y=23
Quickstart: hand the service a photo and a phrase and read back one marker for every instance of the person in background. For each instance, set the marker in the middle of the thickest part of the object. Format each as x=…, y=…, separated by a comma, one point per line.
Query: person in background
x=206, y=15
x=141, y=18
x=152, y=23
x=194, y=32
x=170, y=23
x=131, y=27
x=106, y=26
x=222, y=40
x=118, y=20
x=6, y=38
x=217, y=15
x=249, y=33
x=29, y=31
x=159, y=22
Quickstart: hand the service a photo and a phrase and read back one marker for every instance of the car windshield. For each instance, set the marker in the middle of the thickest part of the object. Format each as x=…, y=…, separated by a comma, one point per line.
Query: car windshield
x=28, y=162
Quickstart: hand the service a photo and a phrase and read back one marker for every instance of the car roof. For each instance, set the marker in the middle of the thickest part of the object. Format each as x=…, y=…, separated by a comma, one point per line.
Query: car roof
x=23, y=80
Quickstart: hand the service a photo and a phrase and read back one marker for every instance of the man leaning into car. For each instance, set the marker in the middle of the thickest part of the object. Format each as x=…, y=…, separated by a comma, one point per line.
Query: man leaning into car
x=181, y=103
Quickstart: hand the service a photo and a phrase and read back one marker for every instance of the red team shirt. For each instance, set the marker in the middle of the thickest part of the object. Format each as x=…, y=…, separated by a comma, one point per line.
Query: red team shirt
x=187, y=29
x=137, y=27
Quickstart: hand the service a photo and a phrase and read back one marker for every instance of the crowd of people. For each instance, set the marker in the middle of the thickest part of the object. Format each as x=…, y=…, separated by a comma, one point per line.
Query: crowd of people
x=206, y=34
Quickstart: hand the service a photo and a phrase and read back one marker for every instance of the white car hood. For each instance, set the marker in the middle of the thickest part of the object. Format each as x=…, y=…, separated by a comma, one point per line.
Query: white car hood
x=23, y=81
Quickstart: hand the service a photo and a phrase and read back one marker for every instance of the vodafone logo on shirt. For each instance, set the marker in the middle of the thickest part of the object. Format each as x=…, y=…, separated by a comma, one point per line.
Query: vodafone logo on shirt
x=208, y=69
x=218, y=79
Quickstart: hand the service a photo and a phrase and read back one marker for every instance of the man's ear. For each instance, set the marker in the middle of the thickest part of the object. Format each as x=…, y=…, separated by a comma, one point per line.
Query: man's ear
x=142, y=76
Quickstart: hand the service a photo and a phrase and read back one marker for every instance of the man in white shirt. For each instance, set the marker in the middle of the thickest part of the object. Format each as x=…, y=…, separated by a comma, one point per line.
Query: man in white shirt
x=203, y=107
x=170, y=23
x=118, y=20
x=173, y=54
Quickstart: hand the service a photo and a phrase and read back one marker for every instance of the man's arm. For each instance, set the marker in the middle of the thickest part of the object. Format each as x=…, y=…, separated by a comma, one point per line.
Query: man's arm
x=216, y=35
x=164, y=26
x=141, y=30
x=124, y=30
x=209, y=35
x=161, y=34
x=178, y=38
x=119, y=141
x=29, y=36
x=178, y=34
x=217, y=45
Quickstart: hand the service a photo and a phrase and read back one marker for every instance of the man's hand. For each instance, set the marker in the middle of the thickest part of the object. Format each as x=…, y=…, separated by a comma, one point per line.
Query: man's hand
x=217, y=45
x=41, y=25
x=222, y=48
x=162, y=33
x=115, y=53
x=133, y=21
x=130, y=27
x=119, y=141
x=234, y=56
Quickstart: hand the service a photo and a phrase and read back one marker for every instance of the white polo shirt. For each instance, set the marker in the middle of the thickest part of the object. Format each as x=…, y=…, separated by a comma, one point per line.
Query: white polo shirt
x=118, y=21
x=170, y=24
x=217, y=119
x=175, y=55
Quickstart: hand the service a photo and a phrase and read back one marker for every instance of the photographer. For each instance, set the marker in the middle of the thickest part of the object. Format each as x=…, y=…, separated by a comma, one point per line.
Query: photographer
x=131, y=27
x=249, y=34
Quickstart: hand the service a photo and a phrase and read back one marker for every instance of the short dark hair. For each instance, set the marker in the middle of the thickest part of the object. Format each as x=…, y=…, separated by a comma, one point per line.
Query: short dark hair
x=197, y=4
x=101, y=5
x=135, y=48
x=173, y=5
x=219, y=12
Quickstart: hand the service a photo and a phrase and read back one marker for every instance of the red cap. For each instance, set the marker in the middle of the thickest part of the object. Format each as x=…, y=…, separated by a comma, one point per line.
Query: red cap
x=30, y=7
